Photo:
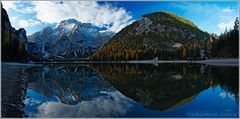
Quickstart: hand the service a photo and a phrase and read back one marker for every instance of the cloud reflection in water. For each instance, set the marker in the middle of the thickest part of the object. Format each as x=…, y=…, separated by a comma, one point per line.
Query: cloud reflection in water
x=114, y=104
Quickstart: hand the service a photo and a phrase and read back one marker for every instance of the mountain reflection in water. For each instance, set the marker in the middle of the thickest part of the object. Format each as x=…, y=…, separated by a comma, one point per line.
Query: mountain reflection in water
x=69, y=83
x=124, y=90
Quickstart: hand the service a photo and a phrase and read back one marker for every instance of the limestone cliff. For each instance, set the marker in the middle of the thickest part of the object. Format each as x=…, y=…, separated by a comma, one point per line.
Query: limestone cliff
x=13, y=48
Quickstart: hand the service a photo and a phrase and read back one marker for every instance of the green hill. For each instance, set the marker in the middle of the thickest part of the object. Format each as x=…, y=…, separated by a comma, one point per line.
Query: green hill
x=159, y=35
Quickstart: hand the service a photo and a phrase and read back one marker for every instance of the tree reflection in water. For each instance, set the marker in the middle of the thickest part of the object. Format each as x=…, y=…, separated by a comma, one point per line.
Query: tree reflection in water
x=161, y=87
x=168, y=85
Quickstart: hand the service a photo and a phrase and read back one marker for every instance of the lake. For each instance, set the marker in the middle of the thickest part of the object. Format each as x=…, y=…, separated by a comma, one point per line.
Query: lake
x=127, y=90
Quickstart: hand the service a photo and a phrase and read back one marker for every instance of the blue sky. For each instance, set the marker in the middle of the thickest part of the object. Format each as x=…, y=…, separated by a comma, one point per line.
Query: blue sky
x=212, y=17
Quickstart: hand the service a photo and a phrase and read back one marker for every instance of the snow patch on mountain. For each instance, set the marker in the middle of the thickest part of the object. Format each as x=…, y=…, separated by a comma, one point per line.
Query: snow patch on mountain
x=71, y=39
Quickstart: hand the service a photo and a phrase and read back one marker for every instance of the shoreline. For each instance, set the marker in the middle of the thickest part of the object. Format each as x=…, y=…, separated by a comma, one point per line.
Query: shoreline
x=214, y=62
x=221, y=62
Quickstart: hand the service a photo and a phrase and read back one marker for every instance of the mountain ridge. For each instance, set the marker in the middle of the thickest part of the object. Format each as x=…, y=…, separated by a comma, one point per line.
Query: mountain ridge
x=70, y=40
x=154, y=35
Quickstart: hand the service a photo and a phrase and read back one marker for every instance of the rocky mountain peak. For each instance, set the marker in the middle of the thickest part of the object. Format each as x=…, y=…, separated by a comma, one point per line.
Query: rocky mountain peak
x=71, y=39
x=68, y=24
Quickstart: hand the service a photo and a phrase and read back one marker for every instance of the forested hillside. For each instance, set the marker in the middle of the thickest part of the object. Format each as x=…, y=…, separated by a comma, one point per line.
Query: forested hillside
x=166, y=36
x=159, y=35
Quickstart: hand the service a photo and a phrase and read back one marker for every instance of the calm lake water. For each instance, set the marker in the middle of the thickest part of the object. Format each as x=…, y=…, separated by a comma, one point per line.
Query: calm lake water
x=132, y=90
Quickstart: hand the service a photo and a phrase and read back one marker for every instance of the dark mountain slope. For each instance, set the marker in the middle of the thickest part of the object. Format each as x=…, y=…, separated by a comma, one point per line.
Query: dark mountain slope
x=13, y=48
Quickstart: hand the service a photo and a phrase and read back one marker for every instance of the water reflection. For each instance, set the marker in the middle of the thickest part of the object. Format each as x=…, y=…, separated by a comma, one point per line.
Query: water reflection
x=168, y=85
x=115, y=90
x=113, y=104
x=70, y=84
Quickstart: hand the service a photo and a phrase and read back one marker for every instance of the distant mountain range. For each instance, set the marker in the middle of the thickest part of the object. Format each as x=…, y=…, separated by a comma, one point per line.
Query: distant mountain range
x=71, y=40
x=159, y=35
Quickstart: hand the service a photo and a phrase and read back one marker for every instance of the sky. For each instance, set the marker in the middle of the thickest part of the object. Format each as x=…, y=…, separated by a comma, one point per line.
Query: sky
x=212, y=17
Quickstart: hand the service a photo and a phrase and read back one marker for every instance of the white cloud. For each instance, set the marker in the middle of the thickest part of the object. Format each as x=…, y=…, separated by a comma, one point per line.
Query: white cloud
x=9, y=4
x=17, y=6
x=33, y=22
x=83, y=11
x=103, y=15
x=228, y=25
x=27, y=23
x=23, y=23
x=227, y=10
x=13, y=19
x=26, y=10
